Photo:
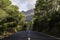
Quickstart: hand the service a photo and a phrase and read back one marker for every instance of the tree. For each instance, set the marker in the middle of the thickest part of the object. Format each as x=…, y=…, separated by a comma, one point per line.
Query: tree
x=47, y=16
x=11, y=20
x=4, y=3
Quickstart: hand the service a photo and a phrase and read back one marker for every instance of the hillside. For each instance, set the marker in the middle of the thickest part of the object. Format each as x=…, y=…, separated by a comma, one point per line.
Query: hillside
x=29, y=14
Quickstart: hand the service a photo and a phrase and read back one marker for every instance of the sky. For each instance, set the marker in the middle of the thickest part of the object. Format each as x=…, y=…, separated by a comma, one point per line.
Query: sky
x=24, y=5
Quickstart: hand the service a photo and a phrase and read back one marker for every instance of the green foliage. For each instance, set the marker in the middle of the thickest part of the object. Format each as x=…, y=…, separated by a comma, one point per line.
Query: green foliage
x=3, y=12
x=11, y=20
x=12, y=10
x=4, y=3
x=47, y=16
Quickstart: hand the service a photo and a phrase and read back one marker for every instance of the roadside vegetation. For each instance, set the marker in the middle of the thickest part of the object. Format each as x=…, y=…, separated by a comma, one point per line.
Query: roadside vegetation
x=46, y=18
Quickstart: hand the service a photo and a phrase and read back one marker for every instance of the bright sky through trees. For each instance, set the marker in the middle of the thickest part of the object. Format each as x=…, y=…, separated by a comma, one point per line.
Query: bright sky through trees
x=24, y=4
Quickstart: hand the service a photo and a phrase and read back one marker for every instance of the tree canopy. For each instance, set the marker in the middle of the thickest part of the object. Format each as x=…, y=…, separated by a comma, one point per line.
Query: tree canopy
x=11, y=19
x=47, y=17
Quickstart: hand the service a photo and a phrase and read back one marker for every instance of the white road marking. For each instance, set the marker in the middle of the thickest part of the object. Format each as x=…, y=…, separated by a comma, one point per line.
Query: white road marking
x=28, y=38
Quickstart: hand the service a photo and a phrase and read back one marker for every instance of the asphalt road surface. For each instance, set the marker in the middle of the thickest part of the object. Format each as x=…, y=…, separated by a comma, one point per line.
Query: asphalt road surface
x=29, y=35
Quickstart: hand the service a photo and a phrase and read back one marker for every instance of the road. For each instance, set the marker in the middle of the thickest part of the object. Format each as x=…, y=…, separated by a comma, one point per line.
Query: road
x=29, y=35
